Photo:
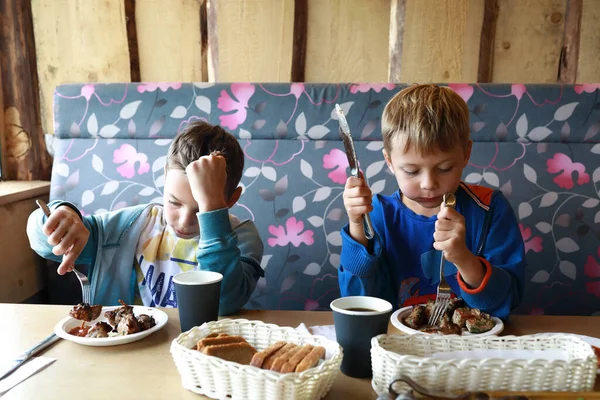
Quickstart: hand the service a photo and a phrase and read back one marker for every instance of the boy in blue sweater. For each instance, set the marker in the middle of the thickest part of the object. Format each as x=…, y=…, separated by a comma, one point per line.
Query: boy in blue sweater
x=426, y=140
x=135, y=252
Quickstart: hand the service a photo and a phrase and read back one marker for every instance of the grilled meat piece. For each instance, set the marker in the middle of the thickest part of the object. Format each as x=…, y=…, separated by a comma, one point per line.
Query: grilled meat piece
x=417, y=318
x=85, y=312
x=449, y=328
x=114, y=316
x=99, y=330
x=453, y=305
x=430, y=329
x=480, y=324
x=145, y=322
x=128, y=325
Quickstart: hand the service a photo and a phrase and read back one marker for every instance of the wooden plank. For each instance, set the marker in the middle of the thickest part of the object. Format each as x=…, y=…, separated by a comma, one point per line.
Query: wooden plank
x=441, y=40
x=567, y=67
x=254, y=39
x=396, y=40
x=168, y=36
x=347, y=41
x=13, y=191
x=299, y=40
x=25, y=157
x=589, y=47
x=3, y=153
x=21, y=269
x=529, y=39
x=132, y=40
x=78, y=41
x=486, y=43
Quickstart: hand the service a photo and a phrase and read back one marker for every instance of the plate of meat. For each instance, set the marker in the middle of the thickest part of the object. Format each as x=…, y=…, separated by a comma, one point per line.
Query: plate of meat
x=95, y=325
x=457, y=320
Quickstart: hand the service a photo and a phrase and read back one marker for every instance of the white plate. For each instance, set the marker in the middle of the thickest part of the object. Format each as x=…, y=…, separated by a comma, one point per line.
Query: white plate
x=65, y=325
x=405, y=311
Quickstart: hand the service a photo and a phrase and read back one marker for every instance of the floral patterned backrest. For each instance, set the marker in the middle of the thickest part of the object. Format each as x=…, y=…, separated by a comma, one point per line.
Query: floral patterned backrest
x=536, y=143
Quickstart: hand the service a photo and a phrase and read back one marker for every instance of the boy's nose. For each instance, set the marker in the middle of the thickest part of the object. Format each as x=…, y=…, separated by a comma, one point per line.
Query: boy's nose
x=429, y=182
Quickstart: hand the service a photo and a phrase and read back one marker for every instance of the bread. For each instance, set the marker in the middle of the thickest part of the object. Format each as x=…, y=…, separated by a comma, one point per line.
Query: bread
x=281, y=356
x=241, y=352
x=312, y=359
x=221, y=339
x=260, y=357
x=282, y=351
x=291, y=364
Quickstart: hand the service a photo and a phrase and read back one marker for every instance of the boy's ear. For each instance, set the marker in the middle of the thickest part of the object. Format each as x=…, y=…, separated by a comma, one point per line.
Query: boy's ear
x=234, y=197
x=388, y=160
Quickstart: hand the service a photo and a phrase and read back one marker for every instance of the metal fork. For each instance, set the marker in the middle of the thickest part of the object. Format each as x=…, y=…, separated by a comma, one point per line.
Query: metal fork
x=86, y=291
x=443, y=290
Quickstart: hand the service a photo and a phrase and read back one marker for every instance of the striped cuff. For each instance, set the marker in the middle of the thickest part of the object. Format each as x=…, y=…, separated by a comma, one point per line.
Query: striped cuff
x=486, y=278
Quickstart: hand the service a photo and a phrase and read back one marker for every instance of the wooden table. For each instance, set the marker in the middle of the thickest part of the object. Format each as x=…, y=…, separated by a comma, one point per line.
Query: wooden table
x=145, y=369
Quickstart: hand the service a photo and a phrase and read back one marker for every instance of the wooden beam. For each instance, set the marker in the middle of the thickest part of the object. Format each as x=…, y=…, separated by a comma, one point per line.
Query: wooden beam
x=204, y=40
x=132, y=41
x=2, y=140
x=299, y=40
x=569, y=55
x=485, y=67
x=26, y=156
x=397, y=17
x=212, y=40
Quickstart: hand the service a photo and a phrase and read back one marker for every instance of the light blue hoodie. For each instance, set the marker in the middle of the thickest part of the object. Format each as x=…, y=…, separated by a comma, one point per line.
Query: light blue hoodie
x=111, y=251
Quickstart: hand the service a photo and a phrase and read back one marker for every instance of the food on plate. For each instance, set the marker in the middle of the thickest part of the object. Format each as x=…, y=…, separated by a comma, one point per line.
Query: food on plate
x=455, y=320
x=85, y=312
x=279, y=357
x=121, y=321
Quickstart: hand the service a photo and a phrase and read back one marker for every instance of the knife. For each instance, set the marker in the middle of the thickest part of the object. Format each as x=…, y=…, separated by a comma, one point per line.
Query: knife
x=352, y=161
x=20, y=360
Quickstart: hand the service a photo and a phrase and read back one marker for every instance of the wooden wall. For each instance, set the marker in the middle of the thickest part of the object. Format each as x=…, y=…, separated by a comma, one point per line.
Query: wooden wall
x=304, y=40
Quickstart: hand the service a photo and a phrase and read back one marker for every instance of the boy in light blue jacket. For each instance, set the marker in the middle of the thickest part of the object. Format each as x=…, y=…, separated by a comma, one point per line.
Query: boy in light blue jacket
x=135, y=252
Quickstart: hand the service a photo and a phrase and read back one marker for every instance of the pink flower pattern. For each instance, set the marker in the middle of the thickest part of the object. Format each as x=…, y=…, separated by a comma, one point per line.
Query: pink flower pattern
x=531, y=243
x=294, y=234
x=518, y=90
x=297, y=89
x=588, y=88
x=336, y=159
x=462, y=89
x=365, y=87
x=87, y=91
x=128, y=156
x=242, y=93
x=152, y=86
x=562, y=162
x=592, y=269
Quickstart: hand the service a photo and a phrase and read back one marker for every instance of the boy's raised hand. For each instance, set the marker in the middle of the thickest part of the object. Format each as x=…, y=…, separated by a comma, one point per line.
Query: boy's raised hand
x=207, y=177
x=358, y=202
x=67, y=233
x=449, y=236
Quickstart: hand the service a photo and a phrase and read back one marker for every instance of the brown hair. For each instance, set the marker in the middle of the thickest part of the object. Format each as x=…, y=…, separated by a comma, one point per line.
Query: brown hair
x=428, y=117
x=199, y=139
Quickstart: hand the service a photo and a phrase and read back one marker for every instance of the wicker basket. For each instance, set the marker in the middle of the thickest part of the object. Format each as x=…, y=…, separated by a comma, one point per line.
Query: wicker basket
x=412, y=356
x=217, y=378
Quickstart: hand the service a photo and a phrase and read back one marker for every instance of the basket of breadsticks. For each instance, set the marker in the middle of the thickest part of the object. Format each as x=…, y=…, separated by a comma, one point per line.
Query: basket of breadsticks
x=243, y=359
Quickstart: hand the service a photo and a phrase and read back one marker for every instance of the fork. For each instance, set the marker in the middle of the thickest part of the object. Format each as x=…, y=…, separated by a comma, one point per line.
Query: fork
x=443, y=290
x=86, y=291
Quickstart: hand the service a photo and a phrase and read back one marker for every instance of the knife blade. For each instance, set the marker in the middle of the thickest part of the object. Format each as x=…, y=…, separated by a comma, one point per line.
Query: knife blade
x=352, y=161
x=21, y=358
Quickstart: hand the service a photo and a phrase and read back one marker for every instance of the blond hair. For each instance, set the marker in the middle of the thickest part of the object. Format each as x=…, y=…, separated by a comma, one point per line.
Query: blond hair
x=199, y=139
x=428, y=118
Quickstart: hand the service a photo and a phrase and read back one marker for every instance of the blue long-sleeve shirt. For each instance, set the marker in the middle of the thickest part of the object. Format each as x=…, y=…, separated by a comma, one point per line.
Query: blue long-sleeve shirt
x=401, y=265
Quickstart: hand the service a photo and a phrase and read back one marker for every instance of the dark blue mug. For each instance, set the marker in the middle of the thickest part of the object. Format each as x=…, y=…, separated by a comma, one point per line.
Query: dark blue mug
x=357, y=320
x=198, y=294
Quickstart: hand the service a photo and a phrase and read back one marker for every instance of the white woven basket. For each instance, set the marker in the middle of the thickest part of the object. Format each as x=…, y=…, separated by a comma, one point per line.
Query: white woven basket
x=219, y=379
x=411, y=355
